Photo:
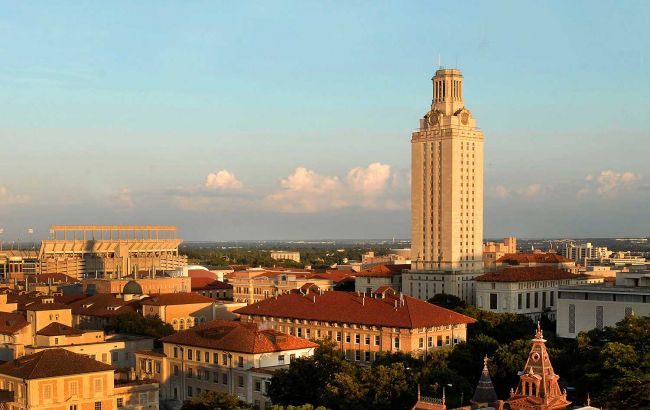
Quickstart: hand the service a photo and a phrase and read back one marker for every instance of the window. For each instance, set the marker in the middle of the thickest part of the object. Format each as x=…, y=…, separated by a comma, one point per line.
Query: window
x=447, y=340
x=120, y=402
x=175, y=351
x=377, y=340
x=47, y=391
x=224, y=378
x=347, y=338
x=198, y=355
x=430, y=341
x=357, y=355
x=98, y=405
x=292, y=357
x=439, y=341
x=421, y=343
x=142, y=399
x=572, y=318
x=240, y=381
x=224, y=359
x=520, y=302
x=98, y=385
x=527, y=300
x=599, y=317
x=190, y=373
x=56, y=340
x=240, y=362
x=536, y=299
x=357, y=338
x=74, y=388
x=367, y=354
x=157, y=367
x=338, y=336
x=189, y=391
x=281, y=359
x=73, y=407
x=552, y=295
x=396, y=342
x=215, y=358
x=175, y=370
x=493, y=301
x=258, y=385
x=189, y=354
x=367, y=340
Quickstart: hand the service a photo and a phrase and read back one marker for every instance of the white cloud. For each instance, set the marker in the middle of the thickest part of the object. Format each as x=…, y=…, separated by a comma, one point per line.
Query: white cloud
x=7, y=198
x=611, y=182
x=223, y=180
x=369, y=181
x=500, y=191
x=529, y=191
x=307, y=191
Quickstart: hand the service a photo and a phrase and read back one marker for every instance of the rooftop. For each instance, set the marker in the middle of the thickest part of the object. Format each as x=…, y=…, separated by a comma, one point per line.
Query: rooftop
x=238, y=337
x=383, y=271
x=59, y=329
x=518, y=258
x=11, y=323
x=182, y=298
x=527, y=274
x=51, y=363
x=348, y=307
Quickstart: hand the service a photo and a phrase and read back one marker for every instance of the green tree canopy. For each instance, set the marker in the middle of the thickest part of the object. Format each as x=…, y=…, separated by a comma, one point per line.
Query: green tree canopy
x=215, y=400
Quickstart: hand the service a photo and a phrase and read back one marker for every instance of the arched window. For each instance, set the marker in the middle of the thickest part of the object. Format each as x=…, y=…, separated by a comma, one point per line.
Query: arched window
x=182, y=324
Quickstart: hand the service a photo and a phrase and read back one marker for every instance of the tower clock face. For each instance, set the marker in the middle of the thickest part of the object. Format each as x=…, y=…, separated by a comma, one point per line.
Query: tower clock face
x=434, y=117
x=464, y=117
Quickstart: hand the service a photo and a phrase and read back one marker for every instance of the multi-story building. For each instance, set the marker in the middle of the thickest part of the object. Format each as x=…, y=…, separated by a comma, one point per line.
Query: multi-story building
x=110, y=251
x=237, y=358
x=140, y=285
x=361, y=325
x=394, y=256
x=60, y=379
x=254, y=285
x=371, y=279
x=17, y=264
x=446, y=194
x=492, y=251
x=15, y=334
x=585, y=307
x=286, y=255
x=181, y=310
x=583, y=253
x=528, y=259
x=530, y=291
x=212, y=288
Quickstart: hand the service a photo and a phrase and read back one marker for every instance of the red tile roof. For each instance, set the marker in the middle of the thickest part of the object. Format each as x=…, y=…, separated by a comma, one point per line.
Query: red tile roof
x=526, y=274
x=182, y=298
x=349, y=307
x=102, y=305
x=237, y=337
x=518, y=258
x=201, y=273
x=209, y=284
x=52, y=363
x=383, y=271
x=11, y=323
x=46, y=306
x=59, y=329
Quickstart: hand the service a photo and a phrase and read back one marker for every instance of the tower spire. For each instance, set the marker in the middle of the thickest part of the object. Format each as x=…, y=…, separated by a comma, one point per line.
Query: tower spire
x=484, y=393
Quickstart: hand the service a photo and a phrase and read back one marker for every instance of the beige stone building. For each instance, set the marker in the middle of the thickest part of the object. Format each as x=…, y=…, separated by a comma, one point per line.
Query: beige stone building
x=141, y=285
x=379, y=276
x=237, y=358
x=492, y=251
x=63, y=380
x=181, y=310
x=254, y=285
x=110, y=250
x=585, y=307
x=446, y=194
x=16, y=264
x=286, y=255
x=362, y=325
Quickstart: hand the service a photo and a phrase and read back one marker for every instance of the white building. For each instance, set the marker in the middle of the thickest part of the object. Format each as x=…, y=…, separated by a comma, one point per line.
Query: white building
x=585, y=252
x=286, y=255
x=530, y=291
x=587, y=307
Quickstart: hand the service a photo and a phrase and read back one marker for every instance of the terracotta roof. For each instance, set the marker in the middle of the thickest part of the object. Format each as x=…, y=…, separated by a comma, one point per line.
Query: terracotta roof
x=151, y=353
x=52, y=363
x=46, y=306
x=237, y=337
x=517, y=258
x=201, y=273
x=526, y=274
x=183, y=298
x=349, y=307
x=55, y=278
x=102, y=305
x=59, y=329
x=208, y=284
x=383, y=271
x=335, y=276
x=11, y=323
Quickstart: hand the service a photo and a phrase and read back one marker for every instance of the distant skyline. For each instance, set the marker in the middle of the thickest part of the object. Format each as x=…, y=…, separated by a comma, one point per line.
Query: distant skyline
x=292, y=120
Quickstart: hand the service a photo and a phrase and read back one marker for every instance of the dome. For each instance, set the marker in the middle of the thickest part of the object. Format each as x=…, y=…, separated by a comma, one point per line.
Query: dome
x=132, y=288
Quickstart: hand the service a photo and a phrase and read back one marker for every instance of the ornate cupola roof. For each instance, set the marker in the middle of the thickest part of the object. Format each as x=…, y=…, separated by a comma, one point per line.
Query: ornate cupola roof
x=484, y=393
x=538, y=387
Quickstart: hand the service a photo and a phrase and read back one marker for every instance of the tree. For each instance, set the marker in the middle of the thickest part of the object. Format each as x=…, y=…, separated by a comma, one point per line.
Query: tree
x=215, y=400
x=448, y=301
x=134, y=323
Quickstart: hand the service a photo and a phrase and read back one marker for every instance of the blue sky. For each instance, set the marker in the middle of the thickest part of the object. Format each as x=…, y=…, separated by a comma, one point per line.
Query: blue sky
x=271, y=120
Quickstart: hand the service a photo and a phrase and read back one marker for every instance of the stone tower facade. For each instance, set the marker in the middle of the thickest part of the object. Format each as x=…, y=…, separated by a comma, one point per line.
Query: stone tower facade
x=446, y=195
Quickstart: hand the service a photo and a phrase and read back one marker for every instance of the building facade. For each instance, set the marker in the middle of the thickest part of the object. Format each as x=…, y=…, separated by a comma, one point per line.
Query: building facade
x=254, y=285
x=587, y=307
x=110, y=251
x=362, y=325
x=446, y=192
x=237, y=358
x=286, y=255
x=492, y=251
x=529, y=291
